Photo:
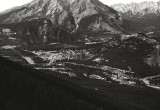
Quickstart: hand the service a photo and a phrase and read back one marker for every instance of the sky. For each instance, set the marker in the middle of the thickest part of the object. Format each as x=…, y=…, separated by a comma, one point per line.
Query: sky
x=7, y=4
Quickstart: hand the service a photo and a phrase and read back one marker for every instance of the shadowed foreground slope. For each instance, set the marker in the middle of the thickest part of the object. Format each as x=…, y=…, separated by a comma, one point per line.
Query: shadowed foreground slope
x=23, y=88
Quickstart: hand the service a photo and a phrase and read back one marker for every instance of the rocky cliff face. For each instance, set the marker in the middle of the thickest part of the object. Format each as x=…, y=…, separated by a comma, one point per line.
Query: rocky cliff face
x=69, y=15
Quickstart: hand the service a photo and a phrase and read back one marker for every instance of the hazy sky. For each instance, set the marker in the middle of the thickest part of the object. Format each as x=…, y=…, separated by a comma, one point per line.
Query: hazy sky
x=6, y=4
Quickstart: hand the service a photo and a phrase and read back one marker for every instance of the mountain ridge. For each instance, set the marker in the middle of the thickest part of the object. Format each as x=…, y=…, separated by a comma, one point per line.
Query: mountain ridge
x=89, y=20
x=142, y=8
x=66, y=14
x=147, y=13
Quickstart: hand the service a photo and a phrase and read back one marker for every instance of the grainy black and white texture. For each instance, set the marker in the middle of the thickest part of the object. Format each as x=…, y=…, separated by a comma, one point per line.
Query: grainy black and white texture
x=80, y=54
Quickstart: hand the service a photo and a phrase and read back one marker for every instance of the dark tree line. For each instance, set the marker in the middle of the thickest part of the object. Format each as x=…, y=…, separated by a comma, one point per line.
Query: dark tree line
x=23, y=88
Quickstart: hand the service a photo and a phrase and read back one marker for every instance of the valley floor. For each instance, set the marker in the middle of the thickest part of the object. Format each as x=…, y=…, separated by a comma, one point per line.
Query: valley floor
x=112, y=85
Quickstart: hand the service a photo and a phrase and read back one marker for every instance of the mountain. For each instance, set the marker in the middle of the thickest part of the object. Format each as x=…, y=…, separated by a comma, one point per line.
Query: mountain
x=115, y=63
x=140, y=10
x=146, y=13
x=89, y=17
x=136, y=52
x=45, y=22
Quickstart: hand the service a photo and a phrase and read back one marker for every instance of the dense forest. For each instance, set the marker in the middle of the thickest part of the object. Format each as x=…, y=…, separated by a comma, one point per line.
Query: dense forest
x=23, y=88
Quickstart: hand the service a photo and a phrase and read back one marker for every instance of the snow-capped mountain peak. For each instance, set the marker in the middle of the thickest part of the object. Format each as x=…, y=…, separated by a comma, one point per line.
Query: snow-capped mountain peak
x=141, y=9
x=64, y=12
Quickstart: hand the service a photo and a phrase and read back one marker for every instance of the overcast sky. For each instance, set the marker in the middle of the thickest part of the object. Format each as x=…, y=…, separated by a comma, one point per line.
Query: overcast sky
x=6, y=4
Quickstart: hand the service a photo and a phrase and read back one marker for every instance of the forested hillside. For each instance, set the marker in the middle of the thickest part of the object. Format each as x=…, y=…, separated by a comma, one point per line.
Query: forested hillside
x=28, y=89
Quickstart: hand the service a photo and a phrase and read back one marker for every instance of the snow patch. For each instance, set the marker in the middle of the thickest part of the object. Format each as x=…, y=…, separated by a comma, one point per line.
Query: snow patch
x=8, y=47
x=93, y=76
x=53, y=43
x=147, y=82
x=12, y=38
x=88, y=43
x=155, y=87
x=149, y=33
x=29, y=60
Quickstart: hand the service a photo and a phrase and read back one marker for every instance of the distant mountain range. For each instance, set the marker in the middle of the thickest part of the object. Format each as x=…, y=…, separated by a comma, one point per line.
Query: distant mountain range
x=146, y=13
x=139, y=9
